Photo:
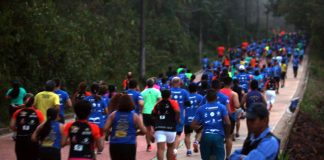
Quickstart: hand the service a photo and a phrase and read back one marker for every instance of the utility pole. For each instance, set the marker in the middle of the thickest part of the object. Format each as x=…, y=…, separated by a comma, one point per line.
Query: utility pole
x=142, y=42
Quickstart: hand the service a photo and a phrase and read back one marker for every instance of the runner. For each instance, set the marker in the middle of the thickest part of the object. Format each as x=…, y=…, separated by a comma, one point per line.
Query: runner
x=276, y=74
x=243, y=78
x=224, y=100
x=64, y=99
x=47, y=99
x=49, y=136
x=213, y=119
x=150, y=96
x=195, y=99
x=99, y=109
x=295, y=64
x=253, y=96
x=124, y=123
x=236, y=88
x=25, y=121
x=270, y=87
x=16, y=96
x=182, y=97
x=81, y=93
x=126, y=80
x=233, y=105
x=205, y=62
x=82, y=135
x=260, y=79
x=283, y=74
x=260, y=143
x=166, y=114
x=136, y=96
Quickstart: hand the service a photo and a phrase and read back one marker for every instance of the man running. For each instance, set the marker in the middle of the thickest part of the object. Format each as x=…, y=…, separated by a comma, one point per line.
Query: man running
x=47, y=99
x=150, y=96
x=166, y=114
x=182, y=97
x=213, y=119
x=253, y=96
x=195, y=99
x=136, y=96
x=64, y=99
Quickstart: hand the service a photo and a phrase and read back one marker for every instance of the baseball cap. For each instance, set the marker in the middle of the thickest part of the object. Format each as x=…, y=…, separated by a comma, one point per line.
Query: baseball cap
x=241, y=67
x=257, y=110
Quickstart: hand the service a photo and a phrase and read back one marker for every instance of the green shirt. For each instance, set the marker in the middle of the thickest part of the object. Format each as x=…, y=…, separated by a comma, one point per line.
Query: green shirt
x=19, y=100
x=150, y=97
x=179, y=70
x=188, y=75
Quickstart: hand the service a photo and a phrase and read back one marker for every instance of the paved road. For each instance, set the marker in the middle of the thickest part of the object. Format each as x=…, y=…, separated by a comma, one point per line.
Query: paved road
x=283, y=100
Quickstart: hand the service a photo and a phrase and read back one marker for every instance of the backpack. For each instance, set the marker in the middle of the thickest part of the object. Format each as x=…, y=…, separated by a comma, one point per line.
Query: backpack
x=272, y=84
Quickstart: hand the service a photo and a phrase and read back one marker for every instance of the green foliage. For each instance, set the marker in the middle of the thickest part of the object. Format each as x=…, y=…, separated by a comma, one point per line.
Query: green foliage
x=307, y=16
x=283, y=156
x=87, y=40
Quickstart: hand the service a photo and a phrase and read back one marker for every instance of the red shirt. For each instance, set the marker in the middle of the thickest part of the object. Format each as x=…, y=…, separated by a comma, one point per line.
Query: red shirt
x=39, y=114
x=220, y=50
x=228, y=93
x=245, y=45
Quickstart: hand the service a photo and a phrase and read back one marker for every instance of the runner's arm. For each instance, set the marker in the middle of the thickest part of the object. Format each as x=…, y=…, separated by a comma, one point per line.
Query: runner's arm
x=141, y=104
x=34, y=137
x=109, y=121
x=139, y=124
x=243, y=101
x=68, y=102
x=235, y=100
x=227, y=126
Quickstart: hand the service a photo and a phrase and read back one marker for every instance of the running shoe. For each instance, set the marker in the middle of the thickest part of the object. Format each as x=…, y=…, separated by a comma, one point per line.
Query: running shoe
x=189, y=153
x=195, y=146
x=149, y=148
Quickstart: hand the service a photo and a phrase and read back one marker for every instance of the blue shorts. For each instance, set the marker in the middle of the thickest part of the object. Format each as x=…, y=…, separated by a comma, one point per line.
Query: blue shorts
x=212, y=145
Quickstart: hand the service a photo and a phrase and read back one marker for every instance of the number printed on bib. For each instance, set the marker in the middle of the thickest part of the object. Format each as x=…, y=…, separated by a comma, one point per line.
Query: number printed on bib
x=162, y=116
x=78, y=147
x=26, y=127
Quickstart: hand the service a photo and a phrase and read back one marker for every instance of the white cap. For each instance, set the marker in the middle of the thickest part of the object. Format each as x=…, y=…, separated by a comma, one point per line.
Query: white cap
x=241, y=67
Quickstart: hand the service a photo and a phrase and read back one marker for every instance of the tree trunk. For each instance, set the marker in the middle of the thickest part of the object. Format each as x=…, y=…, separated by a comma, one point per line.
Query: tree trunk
x=142, y=40
x=258, y=19
x=245, y=17
x=200, y=43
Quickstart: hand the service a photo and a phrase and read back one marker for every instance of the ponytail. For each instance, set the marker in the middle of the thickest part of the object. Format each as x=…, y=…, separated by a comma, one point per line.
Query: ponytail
x=46, y=129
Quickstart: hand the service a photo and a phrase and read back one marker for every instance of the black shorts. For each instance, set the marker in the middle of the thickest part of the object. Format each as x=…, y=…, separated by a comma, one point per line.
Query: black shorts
x=187, y=129
x=147, y=119
x=283, y=75
x=48, y=153
x=277, y=79
x=26, y=149
x=122, y=151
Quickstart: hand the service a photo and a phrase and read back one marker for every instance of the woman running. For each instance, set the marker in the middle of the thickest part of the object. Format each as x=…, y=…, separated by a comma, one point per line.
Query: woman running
x=49, y=136
x=25, y=122
x=83, y=136
x=124, y=123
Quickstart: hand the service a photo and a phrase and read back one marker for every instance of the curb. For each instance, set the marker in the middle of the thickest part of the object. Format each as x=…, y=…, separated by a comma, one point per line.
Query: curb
x=288, y=119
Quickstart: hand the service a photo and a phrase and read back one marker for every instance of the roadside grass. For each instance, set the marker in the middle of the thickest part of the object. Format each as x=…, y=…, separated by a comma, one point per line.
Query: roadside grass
x=313, y=100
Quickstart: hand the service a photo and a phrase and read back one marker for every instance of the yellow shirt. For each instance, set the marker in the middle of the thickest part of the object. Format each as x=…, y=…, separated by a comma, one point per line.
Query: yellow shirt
x=283, y=67
x=45, y=100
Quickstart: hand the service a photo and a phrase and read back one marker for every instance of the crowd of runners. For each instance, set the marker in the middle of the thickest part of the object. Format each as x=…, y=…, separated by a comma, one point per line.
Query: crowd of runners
x=237, y=83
